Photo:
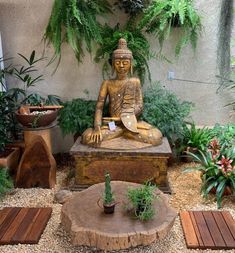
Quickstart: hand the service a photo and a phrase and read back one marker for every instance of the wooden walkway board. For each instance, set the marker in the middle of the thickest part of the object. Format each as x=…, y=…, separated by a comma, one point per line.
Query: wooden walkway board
x=23, y=225
x=208, y=229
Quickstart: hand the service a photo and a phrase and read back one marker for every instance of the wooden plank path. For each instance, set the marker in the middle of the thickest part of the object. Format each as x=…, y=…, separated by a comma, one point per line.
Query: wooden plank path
x=208, y=229
x=23, y=225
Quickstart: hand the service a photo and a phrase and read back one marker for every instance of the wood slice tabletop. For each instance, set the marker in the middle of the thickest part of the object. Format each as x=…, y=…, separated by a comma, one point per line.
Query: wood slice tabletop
x=88, y=225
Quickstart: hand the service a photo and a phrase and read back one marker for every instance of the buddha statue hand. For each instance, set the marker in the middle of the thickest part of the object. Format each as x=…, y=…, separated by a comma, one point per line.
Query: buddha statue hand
x=96, y=136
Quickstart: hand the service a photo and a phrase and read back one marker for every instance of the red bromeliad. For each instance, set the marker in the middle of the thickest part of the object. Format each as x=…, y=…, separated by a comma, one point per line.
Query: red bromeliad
x=214, y=148
x=226, y=166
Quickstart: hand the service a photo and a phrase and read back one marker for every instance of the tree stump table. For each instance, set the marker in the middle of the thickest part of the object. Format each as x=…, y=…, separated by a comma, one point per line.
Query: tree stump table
x=87, y=224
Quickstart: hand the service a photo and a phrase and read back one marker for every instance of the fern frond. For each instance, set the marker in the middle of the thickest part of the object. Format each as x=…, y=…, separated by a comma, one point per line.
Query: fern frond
x=75, y=21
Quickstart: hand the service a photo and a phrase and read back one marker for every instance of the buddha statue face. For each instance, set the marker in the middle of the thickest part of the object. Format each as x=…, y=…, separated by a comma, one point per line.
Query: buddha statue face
x=122, y=58
x=122, y=66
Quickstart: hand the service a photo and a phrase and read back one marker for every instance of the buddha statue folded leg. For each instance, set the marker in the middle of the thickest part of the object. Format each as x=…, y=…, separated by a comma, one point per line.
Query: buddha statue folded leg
x=147, y=134
x=106, y=134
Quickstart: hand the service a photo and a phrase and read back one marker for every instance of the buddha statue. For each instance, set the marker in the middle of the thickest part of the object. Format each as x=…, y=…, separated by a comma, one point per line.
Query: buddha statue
x=125, y=106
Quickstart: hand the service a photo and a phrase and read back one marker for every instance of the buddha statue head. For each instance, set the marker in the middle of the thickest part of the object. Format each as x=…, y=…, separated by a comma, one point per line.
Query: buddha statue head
x=122, y=58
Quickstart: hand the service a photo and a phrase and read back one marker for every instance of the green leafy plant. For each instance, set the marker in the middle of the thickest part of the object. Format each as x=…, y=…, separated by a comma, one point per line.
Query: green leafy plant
x=20, y=93
x=75, y=22
x=198, y=138
x=165, y=111
x=108, y=197
x=76, y=116
x=6, y=183
x=218, y=170
x=4, y=120
x=225, y=135
x=162, y=15
x=142, y=200
x=136, y=42
x=26, y=75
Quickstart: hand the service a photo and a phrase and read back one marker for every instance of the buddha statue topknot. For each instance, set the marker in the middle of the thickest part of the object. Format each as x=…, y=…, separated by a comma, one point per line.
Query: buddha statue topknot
x=125, y=106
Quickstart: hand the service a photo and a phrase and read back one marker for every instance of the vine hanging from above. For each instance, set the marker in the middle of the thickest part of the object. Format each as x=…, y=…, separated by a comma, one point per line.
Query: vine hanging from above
x=137, y=43
x=162, y=15
x=75, y=21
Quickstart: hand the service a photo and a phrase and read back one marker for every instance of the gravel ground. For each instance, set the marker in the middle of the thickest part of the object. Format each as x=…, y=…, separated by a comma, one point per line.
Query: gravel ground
x=185, y=196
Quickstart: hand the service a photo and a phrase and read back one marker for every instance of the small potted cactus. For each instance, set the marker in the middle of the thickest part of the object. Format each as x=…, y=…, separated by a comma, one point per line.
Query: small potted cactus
x=108, y=198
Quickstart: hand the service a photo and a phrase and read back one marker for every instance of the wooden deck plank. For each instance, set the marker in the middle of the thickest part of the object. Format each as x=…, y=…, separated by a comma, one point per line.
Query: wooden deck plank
x=38, y=226
x=24, y=226
x=3, y=213
x=189, y=232
x=199, y=238
x=8, y=220
x=204, y=231
x=6, y=239
x=224, y=230
x=214, y=230
x=230, y=222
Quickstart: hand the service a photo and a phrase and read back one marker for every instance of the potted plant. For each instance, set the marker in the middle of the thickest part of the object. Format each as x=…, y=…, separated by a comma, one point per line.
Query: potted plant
x=217, y=168
x=161, y=16
x=141, y=201
x=108, y=198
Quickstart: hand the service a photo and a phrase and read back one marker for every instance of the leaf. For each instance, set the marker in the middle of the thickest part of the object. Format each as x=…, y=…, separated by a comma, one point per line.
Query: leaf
x=32, y=56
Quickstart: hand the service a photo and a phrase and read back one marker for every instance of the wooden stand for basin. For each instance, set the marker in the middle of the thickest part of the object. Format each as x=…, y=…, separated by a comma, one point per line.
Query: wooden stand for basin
x=132, y=165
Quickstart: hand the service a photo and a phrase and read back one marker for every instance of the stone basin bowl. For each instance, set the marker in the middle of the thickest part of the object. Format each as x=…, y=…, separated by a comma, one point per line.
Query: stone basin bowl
x=28, y=120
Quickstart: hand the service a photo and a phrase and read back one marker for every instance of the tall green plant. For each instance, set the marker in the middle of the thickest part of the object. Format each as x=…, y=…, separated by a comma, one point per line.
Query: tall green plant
x=108, y=195
x=136, y=42
x=162, y=15
x=75, y=22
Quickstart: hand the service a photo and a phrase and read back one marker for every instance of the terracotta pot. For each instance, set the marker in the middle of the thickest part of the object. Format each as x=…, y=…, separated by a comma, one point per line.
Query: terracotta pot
x=109, y=209
x=10, y=158
x=228, y=191
x=187, y=158
x=40, y=121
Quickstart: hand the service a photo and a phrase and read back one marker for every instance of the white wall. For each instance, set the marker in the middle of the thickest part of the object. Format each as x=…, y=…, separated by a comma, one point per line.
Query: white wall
x=22, y=23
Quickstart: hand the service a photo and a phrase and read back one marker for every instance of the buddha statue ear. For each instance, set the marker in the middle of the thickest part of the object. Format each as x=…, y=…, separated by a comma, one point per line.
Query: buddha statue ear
x=113, y=69
x=131, y=71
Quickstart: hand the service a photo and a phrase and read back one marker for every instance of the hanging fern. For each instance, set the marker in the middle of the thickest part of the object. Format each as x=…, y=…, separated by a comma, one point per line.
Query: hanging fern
x=74, y=21
x=132, y=7
x=162, y=15
x=136, y=42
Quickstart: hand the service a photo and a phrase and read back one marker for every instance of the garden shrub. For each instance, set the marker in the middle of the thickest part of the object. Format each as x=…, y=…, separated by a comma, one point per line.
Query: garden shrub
x=6, y=183
x=164, y=110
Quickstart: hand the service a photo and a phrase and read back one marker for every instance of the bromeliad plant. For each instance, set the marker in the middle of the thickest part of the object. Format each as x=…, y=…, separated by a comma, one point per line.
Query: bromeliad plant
x=218, y=170
x=197, y=138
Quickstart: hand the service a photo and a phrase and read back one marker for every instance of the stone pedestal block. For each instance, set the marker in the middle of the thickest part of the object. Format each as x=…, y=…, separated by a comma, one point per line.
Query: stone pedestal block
x=136, y=165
